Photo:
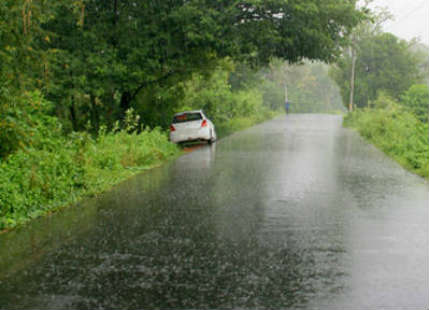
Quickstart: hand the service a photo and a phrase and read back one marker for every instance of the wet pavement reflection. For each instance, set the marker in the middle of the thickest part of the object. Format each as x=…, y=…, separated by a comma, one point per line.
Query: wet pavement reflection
x=293, y=213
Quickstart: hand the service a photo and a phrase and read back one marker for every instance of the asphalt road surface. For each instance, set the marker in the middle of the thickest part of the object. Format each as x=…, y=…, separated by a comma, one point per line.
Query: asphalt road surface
x=295, y=213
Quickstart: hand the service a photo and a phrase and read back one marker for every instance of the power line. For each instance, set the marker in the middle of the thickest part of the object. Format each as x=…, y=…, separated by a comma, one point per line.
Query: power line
x=406, y=15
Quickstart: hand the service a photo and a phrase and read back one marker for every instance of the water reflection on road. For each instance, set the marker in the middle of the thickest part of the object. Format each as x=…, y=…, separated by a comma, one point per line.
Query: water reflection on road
x=294, y=213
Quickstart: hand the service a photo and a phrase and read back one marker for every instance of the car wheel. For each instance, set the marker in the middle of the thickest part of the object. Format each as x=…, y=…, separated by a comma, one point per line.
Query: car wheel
x=211, y=140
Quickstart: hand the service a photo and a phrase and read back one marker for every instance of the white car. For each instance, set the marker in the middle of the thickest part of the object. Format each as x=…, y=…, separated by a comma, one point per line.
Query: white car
x=192, y=126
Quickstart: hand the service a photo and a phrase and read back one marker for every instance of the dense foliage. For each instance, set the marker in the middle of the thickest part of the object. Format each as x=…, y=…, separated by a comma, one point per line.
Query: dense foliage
x=396, y=131
x=416, y=100
x=61, y=169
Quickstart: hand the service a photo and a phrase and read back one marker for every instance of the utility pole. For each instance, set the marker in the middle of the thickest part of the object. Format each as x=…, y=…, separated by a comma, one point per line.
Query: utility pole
x=286, y=99
x=285, y=81
x=352, y=78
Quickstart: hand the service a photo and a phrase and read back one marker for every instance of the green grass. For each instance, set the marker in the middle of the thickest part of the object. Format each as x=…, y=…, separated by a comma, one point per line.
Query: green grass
x=36, y=181
x=398, y=133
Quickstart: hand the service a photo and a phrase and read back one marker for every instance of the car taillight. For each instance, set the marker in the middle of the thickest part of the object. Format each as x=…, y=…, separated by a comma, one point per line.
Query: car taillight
x=204, y=123
x=172, y=128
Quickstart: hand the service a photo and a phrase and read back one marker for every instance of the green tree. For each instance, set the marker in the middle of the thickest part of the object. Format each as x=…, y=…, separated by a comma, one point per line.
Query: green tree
x=21, y=71
x=416, y=99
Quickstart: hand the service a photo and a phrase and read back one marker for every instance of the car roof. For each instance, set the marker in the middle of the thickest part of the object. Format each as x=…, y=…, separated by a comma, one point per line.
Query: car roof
x=194, y=111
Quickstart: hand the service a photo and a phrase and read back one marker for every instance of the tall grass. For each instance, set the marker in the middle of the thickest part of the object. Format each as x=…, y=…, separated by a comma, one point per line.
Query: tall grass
x=397, y=132
x=40, y=179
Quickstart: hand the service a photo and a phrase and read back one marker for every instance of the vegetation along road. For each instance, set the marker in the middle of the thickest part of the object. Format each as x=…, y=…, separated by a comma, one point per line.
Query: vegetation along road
x=297, y=212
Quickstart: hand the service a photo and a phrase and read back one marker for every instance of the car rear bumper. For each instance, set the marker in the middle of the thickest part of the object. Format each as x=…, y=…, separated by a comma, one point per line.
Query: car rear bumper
x=195, y=135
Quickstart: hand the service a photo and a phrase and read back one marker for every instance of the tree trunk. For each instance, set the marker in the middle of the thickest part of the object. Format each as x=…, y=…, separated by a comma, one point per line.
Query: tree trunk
x=115, y=21
x=115, y=12
x=125, y=103
x=95, y=119
x=72, y=110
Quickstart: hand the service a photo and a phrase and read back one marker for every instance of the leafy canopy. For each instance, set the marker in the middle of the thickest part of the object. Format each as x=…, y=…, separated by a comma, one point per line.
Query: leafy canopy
x=416, y=99
x=127, y=46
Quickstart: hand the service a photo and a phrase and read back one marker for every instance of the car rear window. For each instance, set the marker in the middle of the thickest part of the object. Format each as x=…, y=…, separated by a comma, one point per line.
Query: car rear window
x=187, y=117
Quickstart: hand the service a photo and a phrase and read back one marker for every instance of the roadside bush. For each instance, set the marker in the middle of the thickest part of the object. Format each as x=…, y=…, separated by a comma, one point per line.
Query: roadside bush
x=24, y=121
x=33, y=181
x=396, y=131
x=416, y=99
x=57, y=170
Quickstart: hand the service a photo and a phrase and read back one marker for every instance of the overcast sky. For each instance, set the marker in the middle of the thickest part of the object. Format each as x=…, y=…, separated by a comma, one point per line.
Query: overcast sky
x=411, y=18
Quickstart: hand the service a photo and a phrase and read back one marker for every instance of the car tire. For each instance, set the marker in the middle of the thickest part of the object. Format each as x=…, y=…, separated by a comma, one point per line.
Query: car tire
x=211, y=140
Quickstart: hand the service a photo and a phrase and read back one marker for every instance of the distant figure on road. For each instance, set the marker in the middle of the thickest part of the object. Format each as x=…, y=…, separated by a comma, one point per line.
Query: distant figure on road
x=287, y=106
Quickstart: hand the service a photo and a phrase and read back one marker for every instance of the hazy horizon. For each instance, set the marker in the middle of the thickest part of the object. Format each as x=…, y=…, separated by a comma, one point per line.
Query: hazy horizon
x=411, y=18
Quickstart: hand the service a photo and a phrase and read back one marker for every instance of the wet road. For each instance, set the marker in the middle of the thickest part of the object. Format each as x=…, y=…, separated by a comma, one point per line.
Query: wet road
x=295, y=213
